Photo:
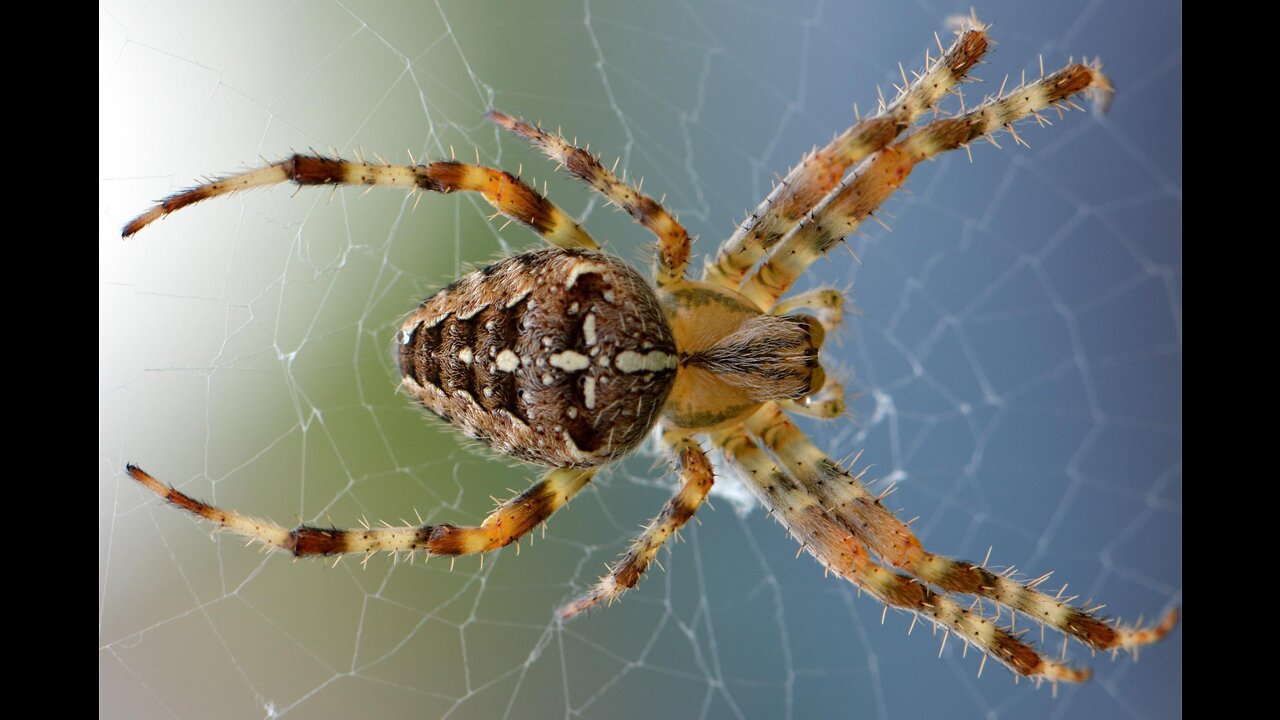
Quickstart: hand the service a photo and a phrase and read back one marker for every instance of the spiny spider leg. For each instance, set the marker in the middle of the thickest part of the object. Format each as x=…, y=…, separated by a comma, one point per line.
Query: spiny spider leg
x=673, y=239
x=835, y=545
x=504, y=191
x=508, y=523
x=696, y=477
x=859, y=195
x=844, y=495
x=820, y=171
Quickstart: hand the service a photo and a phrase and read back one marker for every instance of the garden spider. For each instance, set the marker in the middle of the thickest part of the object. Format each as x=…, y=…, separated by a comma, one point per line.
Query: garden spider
x=567, y=358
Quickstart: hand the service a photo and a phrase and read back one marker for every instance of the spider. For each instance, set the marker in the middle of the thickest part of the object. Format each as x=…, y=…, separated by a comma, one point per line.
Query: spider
x=568, y=358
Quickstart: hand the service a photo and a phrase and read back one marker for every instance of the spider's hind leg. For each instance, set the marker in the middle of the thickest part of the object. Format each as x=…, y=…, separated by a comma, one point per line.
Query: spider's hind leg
x=506, y=192
x=507, y=524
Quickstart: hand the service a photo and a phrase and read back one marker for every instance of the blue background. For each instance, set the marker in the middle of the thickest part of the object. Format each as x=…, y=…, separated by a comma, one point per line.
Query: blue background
x=1017, y=360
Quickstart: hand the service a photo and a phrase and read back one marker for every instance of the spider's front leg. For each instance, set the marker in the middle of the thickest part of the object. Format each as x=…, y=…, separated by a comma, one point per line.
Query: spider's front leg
x=836, y=545
x=696, y=477
x=512, y=520
x=884, y=534
x=821, y=170
x=861, y=194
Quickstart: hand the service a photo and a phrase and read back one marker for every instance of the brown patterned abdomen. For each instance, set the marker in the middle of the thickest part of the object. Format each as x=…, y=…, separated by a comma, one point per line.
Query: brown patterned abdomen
x=559, y=357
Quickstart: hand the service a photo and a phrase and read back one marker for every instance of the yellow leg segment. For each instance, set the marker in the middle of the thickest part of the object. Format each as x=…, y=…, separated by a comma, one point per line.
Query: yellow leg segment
x=673, y=239
x=696, y=478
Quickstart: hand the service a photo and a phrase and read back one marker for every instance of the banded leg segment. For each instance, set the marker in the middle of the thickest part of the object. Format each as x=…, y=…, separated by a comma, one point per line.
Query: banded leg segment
x=507, y=193
x=837, y=547
x=859, y=195
x=508, y=523
x=673, y=239
x=696, y=478
x=819, y=172
x=890, y=538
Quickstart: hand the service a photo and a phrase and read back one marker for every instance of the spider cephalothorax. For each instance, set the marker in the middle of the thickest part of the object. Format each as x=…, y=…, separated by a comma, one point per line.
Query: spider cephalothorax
x=567, y=357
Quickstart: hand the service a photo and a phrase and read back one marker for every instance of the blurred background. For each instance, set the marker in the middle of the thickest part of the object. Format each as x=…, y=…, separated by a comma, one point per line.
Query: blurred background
x=1017, y=360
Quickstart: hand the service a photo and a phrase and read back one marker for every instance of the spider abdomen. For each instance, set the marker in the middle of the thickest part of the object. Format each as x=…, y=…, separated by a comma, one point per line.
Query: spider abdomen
x=560, y=357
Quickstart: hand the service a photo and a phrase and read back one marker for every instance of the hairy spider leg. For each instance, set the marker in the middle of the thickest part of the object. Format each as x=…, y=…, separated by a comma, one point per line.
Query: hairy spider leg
x=511, y=196
x=821, y=170
x=836, y=547
x=673, y=239
x=512, y=520
x=843, y=494
x=828, y=509
x=696, y=478
x=859, y=195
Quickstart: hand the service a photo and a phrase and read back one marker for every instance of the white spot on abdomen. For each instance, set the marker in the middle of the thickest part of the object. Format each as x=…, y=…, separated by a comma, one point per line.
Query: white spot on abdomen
x=570, y=361
x=515, y=299
x=508, y=361
x=631, y=361
x=582, y=268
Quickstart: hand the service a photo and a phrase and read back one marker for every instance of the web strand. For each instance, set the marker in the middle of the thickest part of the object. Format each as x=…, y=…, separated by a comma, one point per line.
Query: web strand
x=1014, y=364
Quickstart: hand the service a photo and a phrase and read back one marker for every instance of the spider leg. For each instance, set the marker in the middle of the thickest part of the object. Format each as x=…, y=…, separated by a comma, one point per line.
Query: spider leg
x=826, y=404
x=859, y=195
x=821, y=170
x=504, y=191
x=673, y=239
x=696, y=477
x=827, y=304
x=830, y=540
x=508, y=523
x=883, y=533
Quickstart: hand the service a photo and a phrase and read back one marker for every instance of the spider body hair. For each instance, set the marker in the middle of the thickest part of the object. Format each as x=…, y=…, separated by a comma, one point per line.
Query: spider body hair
x=560, y=357
x=568, y=358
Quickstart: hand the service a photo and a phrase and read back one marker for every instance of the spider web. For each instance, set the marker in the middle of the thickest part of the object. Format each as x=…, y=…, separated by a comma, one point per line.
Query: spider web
x=1018, y=359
